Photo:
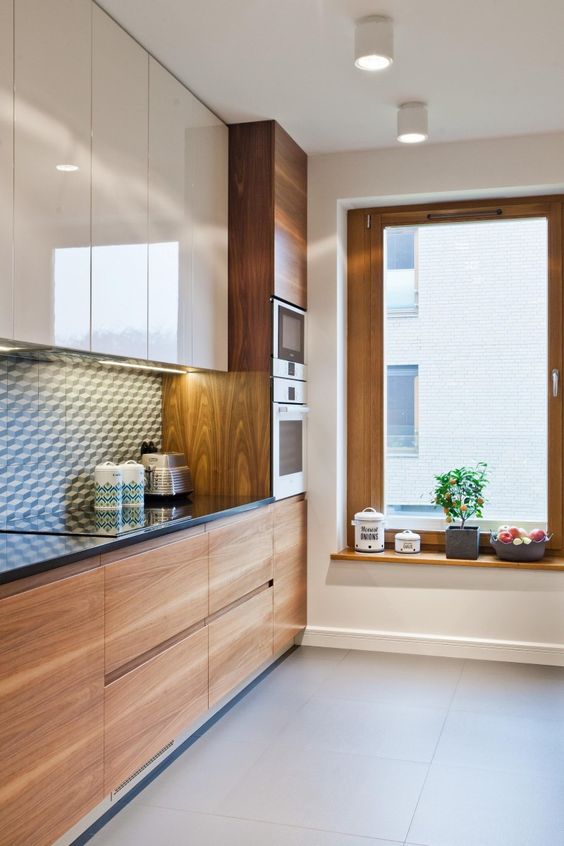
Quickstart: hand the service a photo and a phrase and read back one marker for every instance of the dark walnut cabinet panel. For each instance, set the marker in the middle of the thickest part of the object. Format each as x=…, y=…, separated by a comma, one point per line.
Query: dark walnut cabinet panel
x=290, y=570
x=51, y=702
x=267, y=236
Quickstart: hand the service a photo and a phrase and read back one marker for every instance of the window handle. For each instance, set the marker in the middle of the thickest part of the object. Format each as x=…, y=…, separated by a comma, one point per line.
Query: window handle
x=555, y=382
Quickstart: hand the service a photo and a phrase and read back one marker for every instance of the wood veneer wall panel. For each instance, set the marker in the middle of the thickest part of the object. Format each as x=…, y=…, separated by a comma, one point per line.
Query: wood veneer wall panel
x=290, y=570
x=152, y=704
x=154, y=596
x=290, y=219
x=241, y=558
x=221, y=421
x=251, y=244
x=51, y=701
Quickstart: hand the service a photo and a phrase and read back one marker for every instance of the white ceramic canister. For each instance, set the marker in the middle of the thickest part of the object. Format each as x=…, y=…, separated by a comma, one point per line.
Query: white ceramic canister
x=407, y=542
x=368, y=530
x=108, y=483
x=133, y=484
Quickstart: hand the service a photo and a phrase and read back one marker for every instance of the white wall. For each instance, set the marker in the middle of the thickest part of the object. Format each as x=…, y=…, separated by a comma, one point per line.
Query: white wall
x=451, y=610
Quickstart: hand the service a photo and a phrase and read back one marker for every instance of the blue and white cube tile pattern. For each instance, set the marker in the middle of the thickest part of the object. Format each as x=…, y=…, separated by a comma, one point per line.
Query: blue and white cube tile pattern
x=61, y=416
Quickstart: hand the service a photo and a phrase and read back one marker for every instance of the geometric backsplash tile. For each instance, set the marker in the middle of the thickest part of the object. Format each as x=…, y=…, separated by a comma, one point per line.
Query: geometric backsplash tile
x=61, y=416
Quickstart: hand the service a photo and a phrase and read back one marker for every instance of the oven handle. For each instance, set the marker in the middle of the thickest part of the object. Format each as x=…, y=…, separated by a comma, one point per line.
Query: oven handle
x=292, y=409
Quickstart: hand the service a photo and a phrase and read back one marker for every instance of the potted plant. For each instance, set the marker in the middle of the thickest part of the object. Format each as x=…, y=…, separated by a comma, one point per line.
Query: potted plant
x=459, y=492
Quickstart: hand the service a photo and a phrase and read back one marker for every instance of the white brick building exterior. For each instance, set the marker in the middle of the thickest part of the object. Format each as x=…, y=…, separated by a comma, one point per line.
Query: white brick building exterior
x=479, y=341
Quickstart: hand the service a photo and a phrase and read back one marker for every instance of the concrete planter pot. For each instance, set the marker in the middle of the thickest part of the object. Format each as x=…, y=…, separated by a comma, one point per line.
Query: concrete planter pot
x=462, y=543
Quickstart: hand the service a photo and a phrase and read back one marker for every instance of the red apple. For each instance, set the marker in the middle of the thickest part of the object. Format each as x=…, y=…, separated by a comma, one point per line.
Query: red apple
x=514, y=532
x=537, y=535
x=505, y=537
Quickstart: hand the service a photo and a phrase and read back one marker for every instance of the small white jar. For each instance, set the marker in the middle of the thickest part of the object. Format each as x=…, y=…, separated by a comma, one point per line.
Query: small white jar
x=108, y=483
x=368, y=531
x=133, y=495
x=407, y=542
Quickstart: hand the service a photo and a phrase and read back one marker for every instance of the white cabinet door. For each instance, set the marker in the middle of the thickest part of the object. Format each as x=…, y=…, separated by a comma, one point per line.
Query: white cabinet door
x=120, y=96
x=170, y=233
x=208, y=206
x=6, y=165
x=52, y=172
x=188, y=160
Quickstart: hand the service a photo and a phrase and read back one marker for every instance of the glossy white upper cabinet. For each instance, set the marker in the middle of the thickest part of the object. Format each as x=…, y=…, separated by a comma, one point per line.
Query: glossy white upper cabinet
x=209, y=157
x=188, y=160
x=52, y=172
x=120, y=97
x=170, y=233
x=6, y=164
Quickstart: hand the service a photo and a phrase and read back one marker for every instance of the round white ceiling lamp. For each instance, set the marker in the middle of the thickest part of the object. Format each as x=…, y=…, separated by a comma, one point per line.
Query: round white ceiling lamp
x=413, y=123
x=374, y=43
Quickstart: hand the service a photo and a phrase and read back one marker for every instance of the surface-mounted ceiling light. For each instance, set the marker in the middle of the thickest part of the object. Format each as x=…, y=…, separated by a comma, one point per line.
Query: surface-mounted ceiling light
x=133, y=366
x=413, y=123
x=374, y=43
x=67, y=168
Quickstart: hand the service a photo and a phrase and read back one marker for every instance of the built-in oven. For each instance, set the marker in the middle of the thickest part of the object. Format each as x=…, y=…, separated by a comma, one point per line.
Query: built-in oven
x=289, y=437
x=289, y=341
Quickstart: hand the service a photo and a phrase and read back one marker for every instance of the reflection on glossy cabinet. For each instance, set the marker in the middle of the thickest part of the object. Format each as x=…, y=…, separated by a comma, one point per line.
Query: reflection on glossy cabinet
x=6, y=164
x=120, y=97
x=51, y=701
x=52, y=172
x=188, y=161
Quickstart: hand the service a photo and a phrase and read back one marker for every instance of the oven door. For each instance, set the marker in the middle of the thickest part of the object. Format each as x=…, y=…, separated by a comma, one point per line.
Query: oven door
x=289, y=340
x=289, y=430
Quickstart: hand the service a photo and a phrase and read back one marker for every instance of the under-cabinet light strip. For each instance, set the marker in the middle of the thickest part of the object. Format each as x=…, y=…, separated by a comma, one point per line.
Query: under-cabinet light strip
x=142, y=366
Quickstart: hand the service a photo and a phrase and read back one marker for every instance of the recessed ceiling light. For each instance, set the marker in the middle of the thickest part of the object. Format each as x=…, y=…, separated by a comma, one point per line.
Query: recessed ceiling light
x=413, y=123
x=133, y=366
x=374, y=43
x=67, y=168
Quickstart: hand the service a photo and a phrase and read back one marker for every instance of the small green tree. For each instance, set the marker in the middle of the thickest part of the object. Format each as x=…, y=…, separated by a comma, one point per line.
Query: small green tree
x=459, y=492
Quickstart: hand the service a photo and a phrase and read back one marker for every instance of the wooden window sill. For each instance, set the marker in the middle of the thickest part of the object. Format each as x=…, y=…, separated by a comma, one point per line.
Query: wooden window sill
x=551, y=561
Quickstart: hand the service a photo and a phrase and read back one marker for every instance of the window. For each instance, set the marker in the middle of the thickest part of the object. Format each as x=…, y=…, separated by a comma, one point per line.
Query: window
x=400, y=272
x=476, y=383
x=401, y=415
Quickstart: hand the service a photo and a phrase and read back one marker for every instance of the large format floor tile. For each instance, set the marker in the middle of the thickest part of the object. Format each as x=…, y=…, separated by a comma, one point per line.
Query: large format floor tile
x=519, y=689
x=471, y=807
x=384, y=729
x=503, y=742
x=351, y=794
x=388, y=677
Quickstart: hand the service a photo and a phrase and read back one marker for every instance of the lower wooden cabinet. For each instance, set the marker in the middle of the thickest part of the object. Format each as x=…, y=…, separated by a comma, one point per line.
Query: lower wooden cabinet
x=51, y=706
x=290, y=570
x=240, y=641
x=151, y=705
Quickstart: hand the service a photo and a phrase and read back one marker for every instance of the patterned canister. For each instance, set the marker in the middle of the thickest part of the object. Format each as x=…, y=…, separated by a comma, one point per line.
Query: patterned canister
x=368, y=531
x=108, y=483
x=133, y=484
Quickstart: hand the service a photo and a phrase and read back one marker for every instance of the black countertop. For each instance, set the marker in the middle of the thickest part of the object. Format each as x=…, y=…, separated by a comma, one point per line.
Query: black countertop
x=26, y=554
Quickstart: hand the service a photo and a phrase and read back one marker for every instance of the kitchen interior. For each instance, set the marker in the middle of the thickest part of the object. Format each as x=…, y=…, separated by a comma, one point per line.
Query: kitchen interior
x=216, y=627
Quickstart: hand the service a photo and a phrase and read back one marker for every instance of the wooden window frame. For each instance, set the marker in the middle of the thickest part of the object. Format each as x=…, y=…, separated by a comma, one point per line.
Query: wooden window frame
x=365, y=343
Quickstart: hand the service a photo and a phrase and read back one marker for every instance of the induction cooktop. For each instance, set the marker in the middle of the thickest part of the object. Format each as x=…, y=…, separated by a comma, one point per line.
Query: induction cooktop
x=90, y=523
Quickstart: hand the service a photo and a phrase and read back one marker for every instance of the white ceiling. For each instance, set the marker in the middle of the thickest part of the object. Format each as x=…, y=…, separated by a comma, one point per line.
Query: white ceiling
x=486, y=67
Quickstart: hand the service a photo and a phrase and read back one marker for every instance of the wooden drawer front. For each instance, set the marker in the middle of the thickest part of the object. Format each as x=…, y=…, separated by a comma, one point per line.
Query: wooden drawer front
x=151, y=705
x=154, y=596
x=240, y=641
x=240, y=558
x=290, y=570
x=51, y=702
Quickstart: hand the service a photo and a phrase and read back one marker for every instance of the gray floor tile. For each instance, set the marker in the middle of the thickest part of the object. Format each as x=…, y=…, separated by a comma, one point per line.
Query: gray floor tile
x=350, y=794
x=200, y=778
x=136, y=825
x=473, y=807
x=502, y=742
x=519, y=689
x=389, y=677
x=387, y=730
x=304, y=671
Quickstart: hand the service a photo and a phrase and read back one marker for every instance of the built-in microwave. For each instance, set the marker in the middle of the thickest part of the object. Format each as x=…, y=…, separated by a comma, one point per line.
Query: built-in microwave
x=289, y=341
x=289, y=442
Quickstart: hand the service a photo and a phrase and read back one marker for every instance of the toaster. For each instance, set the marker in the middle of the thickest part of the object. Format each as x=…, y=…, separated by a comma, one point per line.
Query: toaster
x=167, y=474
